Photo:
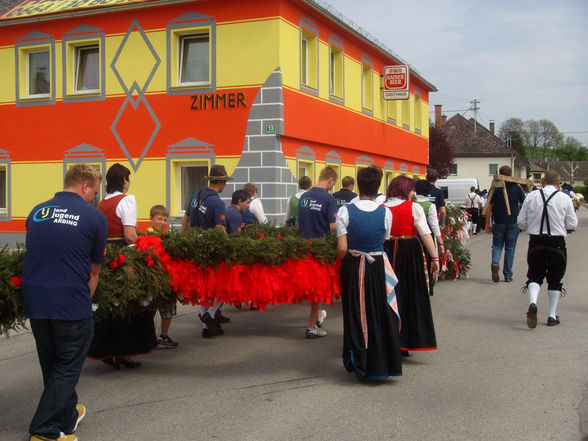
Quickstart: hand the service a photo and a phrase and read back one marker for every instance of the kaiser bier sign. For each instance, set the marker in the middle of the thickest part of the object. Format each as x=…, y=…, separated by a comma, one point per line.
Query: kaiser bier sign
x=396, y=82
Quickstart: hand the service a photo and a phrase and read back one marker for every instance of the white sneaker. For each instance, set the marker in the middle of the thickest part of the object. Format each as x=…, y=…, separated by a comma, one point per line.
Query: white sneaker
x=322, y=315
x=315, y=333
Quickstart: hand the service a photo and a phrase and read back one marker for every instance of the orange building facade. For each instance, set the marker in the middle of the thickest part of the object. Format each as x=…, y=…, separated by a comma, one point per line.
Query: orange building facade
x=272, y=89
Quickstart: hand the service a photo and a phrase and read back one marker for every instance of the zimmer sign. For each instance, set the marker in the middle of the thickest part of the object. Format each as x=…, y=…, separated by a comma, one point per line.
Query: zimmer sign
x=396, y=82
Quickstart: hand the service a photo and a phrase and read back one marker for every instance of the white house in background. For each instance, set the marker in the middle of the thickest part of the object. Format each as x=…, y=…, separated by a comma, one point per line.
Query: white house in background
x=477, y=152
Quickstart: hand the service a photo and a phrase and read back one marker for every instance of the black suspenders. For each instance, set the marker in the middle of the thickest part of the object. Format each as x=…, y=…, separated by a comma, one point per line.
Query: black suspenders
x=545, y=215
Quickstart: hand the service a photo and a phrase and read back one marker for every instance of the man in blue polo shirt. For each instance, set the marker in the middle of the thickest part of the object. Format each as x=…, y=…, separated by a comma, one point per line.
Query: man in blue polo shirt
x=503, y=226
x=207, y=210
x=65, y=245
x=317, y=213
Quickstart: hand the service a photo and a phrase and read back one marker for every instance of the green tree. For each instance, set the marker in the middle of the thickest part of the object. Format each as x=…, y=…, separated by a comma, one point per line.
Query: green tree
x=572, y=150
x=543, y=137
x=513, y=133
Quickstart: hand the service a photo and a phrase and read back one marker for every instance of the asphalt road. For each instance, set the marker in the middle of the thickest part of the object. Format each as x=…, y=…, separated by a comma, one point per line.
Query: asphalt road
x=491, y=379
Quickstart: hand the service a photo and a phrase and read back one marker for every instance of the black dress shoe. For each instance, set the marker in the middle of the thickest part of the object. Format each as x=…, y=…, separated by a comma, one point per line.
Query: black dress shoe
x=220, y=318
x=532, y=316
x=553, y=321
x=212, y=332
x=207, y=320
x=128, y=363
x=112, y=362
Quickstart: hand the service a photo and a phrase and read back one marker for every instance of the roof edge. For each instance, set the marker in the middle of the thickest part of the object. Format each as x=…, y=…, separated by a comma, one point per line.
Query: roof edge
x=337, y=16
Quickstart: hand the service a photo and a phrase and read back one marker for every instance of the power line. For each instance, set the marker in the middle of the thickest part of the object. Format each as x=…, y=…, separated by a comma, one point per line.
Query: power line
x=475, y=103
x=458, y=110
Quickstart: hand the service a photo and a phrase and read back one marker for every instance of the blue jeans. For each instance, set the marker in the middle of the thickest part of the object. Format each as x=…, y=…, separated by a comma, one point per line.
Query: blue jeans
x=504, y=235
x=62, y=346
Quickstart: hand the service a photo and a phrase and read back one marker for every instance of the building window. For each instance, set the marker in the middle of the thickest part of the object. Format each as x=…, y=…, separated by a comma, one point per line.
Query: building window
x=336, y=87
x=194, y=69
x=388, y=176
x=392, y=111
x=3, y=190
x=91, y=155
x=38, y=74
x=453, y=169
x=191, y=60
x=190, y=178
x=418, y=114
x=83, y=65
x=406, y=114
x=308, y=56
x=306, y=168
x=35, y=69
x=493, y=169
x=87, y=70
x=367, y=87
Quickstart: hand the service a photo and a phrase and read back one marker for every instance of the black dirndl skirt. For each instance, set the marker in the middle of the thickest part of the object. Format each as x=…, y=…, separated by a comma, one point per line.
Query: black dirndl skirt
x=381, y=358
x=123, y=337
x=412, y=294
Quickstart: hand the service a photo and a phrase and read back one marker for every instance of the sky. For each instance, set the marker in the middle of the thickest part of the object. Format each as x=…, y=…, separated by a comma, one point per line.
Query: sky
x=520, y=58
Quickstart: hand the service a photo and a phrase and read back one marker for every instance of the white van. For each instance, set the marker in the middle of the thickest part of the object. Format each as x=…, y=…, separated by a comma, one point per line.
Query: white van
x=457, y=189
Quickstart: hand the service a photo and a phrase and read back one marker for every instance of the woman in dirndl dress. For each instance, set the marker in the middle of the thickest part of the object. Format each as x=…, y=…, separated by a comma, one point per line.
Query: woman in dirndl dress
x=116, y=340
x=406, y=254
x=371, y=346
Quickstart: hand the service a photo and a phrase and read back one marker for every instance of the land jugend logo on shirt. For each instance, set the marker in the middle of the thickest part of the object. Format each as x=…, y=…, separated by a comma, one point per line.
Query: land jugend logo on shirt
x=57, y=214
x=311, y=204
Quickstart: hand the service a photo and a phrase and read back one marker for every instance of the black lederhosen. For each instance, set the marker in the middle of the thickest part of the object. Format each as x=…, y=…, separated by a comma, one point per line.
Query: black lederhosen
x=547, y=255
x=547, y=258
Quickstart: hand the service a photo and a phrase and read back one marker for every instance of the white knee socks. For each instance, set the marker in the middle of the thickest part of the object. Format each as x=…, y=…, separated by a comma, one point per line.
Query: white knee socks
x=553, y=299
x=533, y=289
x=212, y=310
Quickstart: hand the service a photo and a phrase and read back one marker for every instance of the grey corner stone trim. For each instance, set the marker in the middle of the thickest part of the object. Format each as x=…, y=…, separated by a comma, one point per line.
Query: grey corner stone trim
x=254, y=127
x=263, y=161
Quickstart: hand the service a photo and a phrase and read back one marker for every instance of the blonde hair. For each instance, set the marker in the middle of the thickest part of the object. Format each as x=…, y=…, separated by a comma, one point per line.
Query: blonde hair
x=250, y=188
x=80, y=173
x=328, y=173
x=158, y=209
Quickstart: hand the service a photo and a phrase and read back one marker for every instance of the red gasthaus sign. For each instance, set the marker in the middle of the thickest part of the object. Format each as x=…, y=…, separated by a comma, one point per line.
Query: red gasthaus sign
x=396, y=82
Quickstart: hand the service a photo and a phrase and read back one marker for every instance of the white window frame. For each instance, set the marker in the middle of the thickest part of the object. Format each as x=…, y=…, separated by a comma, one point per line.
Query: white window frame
x=182, y=37
x=28, y=53
x=367, y=68
x=77, y=60
x=179, y=166
x=304, y=60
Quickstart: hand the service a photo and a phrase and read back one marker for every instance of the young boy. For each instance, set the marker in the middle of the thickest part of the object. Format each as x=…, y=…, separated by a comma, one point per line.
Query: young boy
x=159, y=216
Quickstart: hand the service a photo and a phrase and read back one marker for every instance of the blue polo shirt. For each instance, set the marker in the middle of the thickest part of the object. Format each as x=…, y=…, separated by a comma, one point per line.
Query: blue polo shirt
x=233, y=219
x=344, y=196
x=516, y=197
x=64, y=235
x=316, y=211
x=206, y=209
x=436, y=196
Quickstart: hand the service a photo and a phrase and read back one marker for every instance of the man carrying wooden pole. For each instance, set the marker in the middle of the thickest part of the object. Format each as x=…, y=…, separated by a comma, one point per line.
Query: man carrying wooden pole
x=501, y=220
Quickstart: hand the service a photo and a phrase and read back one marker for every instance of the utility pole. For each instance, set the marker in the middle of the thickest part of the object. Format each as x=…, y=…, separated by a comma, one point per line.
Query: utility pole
x=474, y=104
